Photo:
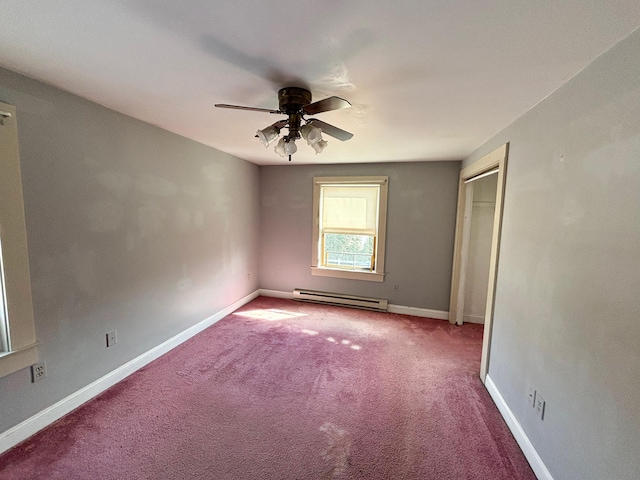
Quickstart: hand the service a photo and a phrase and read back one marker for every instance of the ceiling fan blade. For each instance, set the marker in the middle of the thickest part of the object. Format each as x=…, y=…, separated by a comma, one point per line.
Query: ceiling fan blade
x=253, y=109
x=325, y=105
x=335, y=132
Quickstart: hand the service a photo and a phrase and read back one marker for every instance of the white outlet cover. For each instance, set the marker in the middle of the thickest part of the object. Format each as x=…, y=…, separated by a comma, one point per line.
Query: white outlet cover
x=112, y=338
x=540, y=406
x=38, y=371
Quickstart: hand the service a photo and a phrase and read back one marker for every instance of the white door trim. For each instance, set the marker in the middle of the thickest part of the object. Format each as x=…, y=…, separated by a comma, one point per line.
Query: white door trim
x=496, y=159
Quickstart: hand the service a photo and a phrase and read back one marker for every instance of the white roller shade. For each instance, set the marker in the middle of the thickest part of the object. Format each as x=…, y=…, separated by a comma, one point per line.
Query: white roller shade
x=350, y=209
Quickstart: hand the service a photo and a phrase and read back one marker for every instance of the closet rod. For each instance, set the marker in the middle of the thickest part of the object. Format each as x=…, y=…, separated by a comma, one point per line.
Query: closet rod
x=482, y=175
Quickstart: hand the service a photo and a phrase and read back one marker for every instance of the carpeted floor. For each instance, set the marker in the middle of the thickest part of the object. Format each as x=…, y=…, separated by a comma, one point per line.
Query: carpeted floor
x=285, y=390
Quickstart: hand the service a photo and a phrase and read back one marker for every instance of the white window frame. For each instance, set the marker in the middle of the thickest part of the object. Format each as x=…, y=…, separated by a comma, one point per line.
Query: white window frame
x=377, y=275
x=18, y=347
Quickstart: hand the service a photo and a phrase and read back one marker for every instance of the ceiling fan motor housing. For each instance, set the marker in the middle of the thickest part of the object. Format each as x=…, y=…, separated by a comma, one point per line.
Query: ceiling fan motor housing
x=292, y=99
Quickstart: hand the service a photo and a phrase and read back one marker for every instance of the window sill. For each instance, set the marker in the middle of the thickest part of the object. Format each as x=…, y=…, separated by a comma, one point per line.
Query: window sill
x=350, y=274
x=11, y=362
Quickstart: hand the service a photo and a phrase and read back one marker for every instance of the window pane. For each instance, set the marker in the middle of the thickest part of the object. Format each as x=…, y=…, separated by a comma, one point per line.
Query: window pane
x=348, y=251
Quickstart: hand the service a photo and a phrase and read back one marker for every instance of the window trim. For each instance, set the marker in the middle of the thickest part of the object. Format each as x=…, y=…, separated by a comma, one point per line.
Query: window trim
x=21, y=350
x=374, y=276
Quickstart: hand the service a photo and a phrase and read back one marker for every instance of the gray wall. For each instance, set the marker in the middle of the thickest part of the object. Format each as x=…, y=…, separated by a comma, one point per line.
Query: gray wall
x=420, y=231
x=130, y=228
x=567, y=313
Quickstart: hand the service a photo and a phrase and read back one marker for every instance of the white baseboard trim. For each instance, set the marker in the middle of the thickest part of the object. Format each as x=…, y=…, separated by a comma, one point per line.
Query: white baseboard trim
x=275, y=293
x=529, y=451
x=415, y=311
x=473, y=319
x=418, y=312
x=40, y=420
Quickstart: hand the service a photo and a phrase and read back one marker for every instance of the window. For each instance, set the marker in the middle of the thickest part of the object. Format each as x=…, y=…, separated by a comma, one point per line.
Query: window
x=17, y=330
x=349, y=221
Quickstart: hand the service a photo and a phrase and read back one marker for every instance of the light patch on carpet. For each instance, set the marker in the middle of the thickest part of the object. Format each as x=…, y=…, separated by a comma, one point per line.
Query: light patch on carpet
x=338, y=448
x=309, y=332
x=344, y=342
x=270, y=315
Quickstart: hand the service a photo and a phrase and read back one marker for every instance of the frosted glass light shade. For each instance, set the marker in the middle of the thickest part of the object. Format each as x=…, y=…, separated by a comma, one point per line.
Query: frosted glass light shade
x=267, y=135
x=311, y=134
x=290, y=147
x=279, y=149
x=319, y=146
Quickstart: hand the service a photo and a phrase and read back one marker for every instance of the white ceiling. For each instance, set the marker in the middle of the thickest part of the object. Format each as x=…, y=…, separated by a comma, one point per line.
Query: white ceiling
x=428, y=80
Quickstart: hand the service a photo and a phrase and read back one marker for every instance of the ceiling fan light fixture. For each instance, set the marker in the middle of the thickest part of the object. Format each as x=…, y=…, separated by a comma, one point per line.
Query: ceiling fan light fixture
x=290, y=147
x=268, y=135
x=319, y=146
x=279, y=149
x=311, y=134
x=295, y=103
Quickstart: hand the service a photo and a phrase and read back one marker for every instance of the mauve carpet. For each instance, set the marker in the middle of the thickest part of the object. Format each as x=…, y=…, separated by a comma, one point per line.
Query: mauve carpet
x=285, y=390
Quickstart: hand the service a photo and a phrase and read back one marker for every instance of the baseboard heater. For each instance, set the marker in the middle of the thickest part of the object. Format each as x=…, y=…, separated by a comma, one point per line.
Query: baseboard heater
x=339, y=299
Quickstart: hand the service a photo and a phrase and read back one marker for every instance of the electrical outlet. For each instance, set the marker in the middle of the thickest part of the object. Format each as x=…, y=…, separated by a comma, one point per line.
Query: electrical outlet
x=38, y=371
x=112, y=338
x=540, y=406
x=396, y=287
x=531, y=397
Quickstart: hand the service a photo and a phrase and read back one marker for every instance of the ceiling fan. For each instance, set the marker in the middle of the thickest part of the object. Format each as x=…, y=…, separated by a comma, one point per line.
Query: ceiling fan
x=295, y=102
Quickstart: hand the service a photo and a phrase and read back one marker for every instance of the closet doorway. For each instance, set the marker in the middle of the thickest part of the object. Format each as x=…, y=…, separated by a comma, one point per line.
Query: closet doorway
x=477, y=244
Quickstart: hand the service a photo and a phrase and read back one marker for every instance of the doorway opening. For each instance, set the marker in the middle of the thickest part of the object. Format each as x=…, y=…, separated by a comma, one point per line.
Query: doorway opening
x=474, y=261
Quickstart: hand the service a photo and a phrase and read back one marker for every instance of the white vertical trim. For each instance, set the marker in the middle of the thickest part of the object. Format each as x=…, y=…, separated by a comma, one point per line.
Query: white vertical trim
x=40, y=420
x=502, y=154
x=464, y=252
x=537, y=465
